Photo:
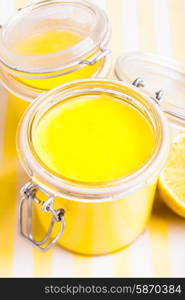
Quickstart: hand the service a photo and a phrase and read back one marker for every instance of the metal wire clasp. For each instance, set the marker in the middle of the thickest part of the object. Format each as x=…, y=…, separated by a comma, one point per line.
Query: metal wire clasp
x=94, y=59
x=139, y=82
x=28, y=193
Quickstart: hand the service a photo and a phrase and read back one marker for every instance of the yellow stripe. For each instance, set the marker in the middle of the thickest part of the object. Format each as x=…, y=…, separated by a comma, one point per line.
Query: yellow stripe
x=159, y=231
x=81, y=266
x=21, y=3
x=122, y=263
x=177, y=24
x=158, y=226
x=146, y=25
x=8, y=174
x=42, y=263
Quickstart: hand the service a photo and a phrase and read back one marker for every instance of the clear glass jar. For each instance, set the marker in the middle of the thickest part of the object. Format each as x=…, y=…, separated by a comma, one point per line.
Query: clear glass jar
x=160, y=76
x=89, y=218
x=27, y=72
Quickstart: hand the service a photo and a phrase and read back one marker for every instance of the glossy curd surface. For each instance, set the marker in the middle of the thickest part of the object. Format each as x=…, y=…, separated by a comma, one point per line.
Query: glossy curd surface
x=93, y=138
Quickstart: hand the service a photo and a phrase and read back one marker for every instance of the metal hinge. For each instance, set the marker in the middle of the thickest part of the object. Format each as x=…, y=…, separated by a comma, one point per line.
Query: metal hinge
x=29, y=195
x=139, y=82
x=95, y=58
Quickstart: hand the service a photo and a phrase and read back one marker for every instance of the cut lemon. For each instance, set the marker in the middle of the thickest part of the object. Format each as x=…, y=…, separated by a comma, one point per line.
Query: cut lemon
x=172, y=179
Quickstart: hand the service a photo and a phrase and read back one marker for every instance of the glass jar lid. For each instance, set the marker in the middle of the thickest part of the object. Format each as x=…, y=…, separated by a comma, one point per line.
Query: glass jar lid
x=160, y=77
x=79, y=17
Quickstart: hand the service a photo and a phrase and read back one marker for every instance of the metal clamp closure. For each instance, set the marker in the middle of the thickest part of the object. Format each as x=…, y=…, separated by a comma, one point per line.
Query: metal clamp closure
x=94, y=59
x=139, y=82
x=28, y=193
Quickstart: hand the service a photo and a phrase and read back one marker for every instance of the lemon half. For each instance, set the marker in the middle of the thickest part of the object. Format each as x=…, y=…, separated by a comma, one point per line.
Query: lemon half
x=172, y=179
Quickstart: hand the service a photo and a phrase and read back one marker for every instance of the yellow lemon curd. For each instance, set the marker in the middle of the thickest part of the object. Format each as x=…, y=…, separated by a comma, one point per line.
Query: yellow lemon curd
x=93, y=139
x=48, y=43
x=90, y=139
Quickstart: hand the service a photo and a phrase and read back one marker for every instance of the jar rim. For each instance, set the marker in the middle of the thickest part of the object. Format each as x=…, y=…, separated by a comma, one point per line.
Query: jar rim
x=85, y=192
x=29, y=94
x=97, y=40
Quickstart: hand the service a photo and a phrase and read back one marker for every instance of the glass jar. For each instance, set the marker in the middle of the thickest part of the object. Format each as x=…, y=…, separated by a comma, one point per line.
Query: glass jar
x=62, y=41
x=89, y=218
x=159, y=76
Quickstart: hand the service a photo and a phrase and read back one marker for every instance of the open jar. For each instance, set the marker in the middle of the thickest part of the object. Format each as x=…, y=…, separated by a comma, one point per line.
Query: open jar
x=90, y=216
x=62, y=41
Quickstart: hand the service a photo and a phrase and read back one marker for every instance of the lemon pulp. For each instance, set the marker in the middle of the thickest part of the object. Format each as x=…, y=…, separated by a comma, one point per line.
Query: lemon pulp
x=93, y=138
x=172, y=179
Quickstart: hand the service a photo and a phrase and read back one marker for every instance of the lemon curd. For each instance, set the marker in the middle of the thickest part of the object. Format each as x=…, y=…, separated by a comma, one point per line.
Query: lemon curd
x=47, y=42
x=50, y=43
x=93, y=138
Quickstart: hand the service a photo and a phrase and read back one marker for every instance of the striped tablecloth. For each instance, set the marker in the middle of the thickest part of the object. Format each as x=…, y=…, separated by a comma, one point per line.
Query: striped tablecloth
x=147, y=25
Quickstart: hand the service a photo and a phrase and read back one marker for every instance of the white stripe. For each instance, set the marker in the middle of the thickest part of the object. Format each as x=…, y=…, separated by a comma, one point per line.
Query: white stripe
x=23, y=252
x=81, y=266
x=141, y=256
x=7, y=8
x=102, y=266
x=100, y=3
x=163, y=38
x=130, y=25
x=162, y=27
x=177, y=247
x=62, y=263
